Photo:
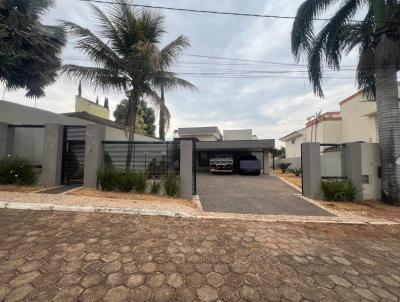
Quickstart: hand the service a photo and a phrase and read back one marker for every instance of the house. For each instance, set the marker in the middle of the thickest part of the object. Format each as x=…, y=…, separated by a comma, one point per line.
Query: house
x=211, y=143
x=356, y=121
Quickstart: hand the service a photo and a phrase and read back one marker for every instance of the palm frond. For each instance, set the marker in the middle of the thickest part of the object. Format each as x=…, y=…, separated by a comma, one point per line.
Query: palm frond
x=172, y=52
x=170, y=81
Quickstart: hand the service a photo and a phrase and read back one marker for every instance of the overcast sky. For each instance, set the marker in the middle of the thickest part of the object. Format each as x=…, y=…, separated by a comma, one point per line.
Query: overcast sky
x=271, y=106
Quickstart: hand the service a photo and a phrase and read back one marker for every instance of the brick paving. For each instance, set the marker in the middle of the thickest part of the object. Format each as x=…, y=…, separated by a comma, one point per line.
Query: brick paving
x=66, y=256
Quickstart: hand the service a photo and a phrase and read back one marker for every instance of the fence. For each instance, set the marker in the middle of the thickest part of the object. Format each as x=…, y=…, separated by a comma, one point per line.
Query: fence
x=154, y=158
x=332, y=160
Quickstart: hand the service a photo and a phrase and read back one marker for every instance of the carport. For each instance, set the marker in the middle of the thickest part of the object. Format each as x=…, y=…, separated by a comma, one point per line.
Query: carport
x=260, y=148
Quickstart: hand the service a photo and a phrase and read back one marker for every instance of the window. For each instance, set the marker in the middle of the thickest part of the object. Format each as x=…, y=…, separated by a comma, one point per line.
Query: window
x=203, y=159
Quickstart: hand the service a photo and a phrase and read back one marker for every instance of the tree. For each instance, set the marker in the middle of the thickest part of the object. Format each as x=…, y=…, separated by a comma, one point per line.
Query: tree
x=377, y=39
x=170, y=54
x=145, y=119
x=30, y=52
x=125, y=57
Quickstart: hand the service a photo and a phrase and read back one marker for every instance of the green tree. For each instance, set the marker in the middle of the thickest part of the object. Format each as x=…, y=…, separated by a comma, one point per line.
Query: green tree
x=377, y=39
x=125, y=56
x=170, y=54
x=30, y=52
x=145, y=117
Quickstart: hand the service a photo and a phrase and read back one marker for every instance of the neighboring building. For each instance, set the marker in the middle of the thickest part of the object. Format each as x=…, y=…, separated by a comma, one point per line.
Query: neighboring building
x=355, y=122
x=237, y=143
x=92, y=108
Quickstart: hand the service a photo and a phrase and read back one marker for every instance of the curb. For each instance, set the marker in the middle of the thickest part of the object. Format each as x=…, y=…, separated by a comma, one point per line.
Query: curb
x=53, y=207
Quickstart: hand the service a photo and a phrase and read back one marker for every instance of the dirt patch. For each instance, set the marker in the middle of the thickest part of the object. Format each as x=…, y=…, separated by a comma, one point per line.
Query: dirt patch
x=293, y=179
x=371, y=208
x=132, y=196
x=21, y=189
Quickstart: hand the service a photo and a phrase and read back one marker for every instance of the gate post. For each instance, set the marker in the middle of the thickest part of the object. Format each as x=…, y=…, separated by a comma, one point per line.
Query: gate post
x=186, y=169
x=266, y=162
x=4, y=139
x=95, y=135
x=311, y=169
x=52, y=155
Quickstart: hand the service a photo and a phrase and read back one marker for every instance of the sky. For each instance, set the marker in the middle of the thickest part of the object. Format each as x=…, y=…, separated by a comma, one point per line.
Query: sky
x=271, y=106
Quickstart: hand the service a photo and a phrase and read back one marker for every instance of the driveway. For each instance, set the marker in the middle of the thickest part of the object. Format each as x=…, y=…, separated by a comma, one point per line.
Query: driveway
x=66, y=256
x=263, y=195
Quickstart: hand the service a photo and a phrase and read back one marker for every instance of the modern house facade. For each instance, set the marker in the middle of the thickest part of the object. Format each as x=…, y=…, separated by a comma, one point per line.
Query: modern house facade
x=236, y=143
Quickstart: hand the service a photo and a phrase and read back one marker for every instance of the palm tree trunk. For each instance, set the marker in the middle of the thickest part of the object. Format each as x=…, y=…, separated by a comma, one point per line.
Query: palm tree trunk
x=161, y=126
x=133, y=100
x=387, y=102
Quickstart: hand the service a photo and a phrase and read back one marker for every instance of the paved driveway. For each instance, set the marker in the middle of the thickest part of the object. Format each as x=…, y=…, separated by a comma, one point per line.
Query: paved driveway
x=264, y=195
x=65, y=256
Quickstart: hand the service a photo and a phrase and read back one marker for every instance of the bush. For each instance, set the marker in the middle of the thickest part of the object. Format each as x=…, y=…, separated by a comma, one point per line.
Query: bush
x=140, y=182
x=284, y=166
x=339, y=190
x=171, y=183
x=295, y=171
x=155, y=187
x=126, y=180
x=17, y=171
x=108, y=178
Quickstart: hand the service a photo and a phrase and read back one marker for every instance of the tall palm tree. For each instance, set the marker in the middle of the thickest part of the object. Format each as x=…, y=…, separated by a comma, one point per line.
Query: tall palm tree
x=125, y=55
x=377, y=39
x=30, y=52
x=169, y=55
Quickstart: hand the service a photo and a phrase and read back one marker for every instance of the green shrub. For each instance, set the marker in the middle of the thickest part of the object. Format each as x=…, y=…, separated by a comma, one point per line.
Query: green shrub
x=295, y=171
x=155, y=187
x=140, y=182
x=126, y=180
x=17, y=171
x=108, y=178
x=339, y=190
x=171, y=182
x=284, y=166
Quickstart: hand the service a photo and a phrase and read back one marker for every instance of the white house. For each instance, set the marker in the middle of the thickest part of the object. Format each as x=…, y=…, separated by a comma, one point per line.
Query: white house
x=356, y=121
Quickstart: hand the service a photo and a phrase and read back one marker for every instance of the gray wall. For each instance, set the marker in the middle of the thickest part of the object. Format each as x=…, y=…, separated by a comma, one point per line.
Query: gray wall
x=295, y=161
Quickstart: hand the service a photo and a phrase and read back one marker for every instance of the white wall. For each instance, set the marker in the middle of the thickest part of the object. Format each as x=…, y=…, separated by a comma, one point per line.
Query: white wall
x=235, y=135
x=293, y=146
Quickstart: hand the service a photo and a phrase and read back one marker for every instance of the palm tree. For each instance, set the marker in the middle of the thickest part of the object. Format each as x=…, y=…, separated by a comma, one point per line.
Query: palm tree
x=125, y=57
x=169, y=55
x=377, y=39
x=30, y=52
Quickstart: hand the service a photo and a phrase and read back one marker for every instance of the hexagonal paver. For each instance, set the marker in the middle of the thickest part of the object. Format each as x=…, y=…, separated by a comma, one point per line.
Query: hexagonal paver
x=110, y=257
x=19, y=293
x=111, y=267
x=215, y=279
x=92, y=294
x=135, y=280
x=92, y=257
x=175, y=280
x=233, y=279
x=207, y=293
x=339, y=280
x=167, y=267
x=114, y=280
x=148, y=267
x=228, y=293
x=69, y=294
x=116, y=294
x=195, y=279
x=91, y=279
x=155, y=280
x=163, y=294
x=141, y=293
x=25, y=278
x=185, y=294
x=290, y=293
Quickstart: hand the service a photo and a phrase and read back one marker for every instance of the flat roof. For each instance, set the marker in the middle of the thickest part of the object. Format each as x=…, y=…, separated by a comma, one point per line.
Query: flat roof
x=199, y=131
x=242, y=145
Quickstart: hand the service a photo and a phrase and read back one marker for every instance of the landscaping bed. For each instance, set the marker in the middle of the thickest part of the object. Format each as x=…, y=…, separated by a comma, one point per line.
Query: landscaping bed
x=21, y=189
x=132, y=196
x=290, y=177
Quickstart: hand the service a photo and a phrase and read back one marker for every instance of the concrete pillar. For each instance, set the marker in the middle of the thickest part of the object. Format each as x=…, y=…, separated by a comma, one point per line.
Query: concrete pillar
x=352, y=164
x=266, y=162
x=4, y=140
x=95, y=134
x=186, y=169
x=52, y=155
x=311, y=169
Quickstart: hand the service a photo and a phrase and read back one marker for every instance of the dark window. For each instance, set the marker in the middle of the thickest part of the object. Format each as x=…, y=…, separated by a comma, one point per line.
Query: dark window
x=204, y=159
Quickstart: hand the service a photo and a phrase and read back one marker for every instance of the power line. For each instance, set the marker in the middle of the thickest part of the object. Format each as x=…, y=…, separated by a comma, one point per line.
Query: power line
x=207, y=11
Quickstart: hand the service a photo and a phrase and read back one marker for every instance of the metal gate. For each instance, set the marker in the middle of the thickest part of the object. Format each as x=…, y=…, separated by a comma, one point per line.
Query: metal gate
x=73, y=163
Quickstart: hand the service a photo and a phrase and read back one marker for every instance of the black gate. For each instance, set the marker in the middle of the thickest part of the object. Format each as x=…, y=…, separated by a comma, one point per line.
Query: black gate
x=73, y=163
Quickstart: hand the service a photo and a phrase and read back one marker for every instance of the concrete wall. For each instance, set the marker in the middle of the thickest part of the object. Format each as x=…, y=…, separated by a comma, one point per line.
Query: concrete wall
x=293, y=146
x=186, y=169
x=295, y=161
x=370, y=162
x=27, y=143
x=84, y=105
x=234, y=135
x=331, y=164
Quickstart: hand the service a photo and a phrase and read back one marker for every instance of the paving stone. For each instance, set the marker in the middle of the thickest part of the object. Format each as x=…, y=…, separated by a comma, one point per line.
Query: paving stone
x=111, y=267
x=92, y=257
x=366, y=294
x=91, y=279
x=69, y=294
x=19, y=293
x=141, y=293
x=249, y=293
x=175, y=280
x=163, y=294
x=185, y=294
x=135, y=280
x=155, y=280
x=93, y=294
x=25, y=278
x=207, y=293
x=228, y=293
x=71, y=279
x=114, y=280
x=289, y=293
x=215, y=279
x=110, y=257
x=233, y=279
x=195, y=279
x=339, y=281
x=116, y=294
x=148, y=267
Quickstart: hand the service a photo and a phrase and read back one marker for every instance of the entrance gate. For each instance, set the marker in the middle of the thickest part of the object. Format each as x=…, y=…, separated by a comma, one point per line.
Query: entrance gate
x=73, y=163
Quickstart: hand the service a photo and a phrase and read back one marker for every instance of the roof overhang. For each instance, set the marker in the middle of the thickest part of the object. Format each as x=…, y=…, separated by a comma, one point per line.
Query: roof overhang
x=245, y=145
x=292, y=135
